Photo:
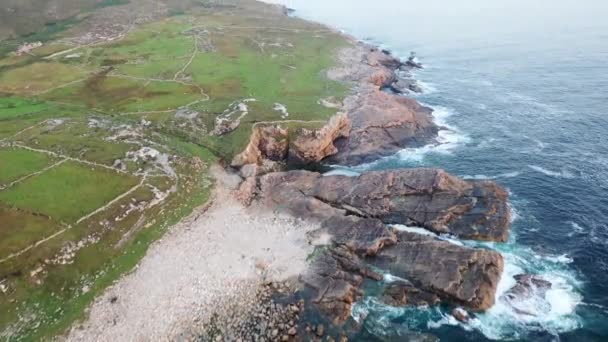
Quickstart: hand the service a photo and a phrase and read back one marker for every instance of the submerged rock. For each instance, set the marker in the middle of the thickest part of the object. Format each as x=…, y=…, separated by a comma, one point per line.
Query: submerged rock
x=461, y=315
x=528, y=294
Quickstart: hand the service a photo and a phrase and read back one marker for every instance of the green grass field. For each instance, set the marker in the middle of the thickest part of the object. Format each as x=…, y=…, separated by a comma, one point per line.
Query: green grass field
x=68, y=191
x=109, y=101
x=16, y=163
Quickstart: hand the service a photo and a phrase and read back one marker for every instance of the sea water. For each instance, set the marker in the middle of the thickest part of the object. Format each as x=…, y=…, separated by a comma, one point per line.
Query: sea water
x=522, y=88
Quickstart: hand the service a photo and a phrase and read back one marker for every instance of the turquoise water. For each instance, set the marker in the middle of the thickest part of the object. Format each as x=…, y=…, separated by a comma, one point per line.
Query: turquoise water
x=523, y=87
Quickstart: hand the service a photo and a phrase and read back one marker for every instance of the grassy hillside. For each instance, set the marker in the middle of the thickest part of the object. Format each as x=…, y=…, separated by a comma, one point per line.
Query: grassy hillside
x=107, y=131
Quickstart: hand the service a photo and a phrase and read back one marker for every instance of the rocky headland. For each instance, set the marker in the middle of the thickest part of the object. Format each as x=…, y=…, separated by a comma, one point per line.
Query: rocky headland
x=364, y=221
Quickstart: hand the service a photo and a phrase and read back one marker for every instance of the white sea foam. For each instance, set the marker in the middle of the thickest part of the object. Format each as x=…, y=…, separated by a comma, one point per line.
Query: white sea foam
x=577, y=228
x=562, y=259
x=416, y=230
x=558, y=174
x=514, y=213
x=555, y=312
x=342, y=172
x=427, y=88
x=448, y=138
x=484, y=177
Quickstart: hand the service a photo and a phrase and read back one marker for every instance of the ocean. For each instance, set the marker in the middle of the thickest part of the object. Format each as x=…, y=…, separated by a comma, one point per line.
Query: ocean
x=522, y=87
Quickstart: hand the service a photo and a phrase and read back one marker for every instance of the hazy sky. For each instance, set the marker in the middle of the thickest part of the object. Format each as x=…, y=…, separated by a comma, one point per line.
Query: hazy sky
x=448, y=22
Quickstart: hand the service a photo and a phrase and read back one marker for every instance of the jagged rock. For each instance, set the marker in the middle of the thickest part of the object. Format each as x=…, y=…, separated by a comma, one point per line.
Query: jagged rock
x=335, y=277
x=224, y=126
x=311, y=146
x=247, y=191
x=377, y=57
x=429, y=198
x=249, y=170
x=404, y=293
x=459, y=275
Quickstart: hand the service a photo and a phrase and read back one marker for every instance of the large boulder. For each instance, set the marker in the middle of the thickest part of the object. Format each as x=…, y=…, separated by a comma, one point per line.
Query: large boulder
x=457, y=274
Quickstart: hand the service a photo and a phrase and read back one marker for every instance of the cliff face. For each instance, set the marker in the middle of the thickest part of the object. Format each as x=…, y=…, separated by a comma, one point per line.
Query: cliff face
x=312, y=146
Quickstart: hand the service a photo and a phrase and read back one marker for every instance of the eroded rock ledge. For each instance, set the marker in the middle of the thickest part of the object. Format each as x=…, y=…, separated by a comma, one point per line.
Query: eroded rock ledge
x=355, y=215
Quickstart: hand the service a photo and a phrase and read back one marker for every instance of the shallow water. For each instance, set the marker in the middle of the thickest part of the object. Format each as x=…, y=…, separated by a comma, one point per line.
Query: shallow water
x=523, y=87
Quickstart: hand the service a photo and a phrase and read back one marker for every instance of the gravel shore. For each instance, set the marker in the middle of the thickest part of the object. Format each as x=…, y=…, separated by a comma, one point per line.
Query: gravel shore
x=223, y=255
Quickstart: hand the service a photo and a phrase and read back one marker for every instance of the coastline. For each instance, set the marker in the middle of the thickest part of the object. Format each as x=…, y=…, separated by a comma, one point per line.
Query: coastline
x=368, y=71
x=220, y=256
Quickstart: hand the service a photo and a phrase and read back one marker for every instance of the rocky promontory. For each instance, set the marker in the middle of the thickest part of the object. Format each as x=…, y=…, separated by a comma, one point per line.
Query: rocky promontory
x=382, y=122
x=364, y=220
x=356, y=217
x=372, y=122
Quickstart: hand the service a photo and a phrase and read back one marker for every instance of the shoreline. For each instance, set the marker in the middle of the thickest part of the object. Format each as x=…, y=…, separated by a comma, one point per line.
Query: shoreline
x=227, y=251
x=171, y=305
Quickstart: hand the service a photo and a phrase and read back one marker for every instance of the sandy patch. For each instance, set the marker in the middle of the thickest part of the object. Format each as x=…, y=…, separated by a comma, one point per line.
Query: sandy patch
x=213, y=257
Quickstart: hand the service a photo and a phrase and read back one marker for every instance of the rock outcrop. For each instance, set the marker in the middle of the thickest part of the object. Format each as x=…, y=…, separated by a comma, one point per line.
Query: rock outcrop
x=354, y=214
x=297, y=147
x=382, y=122
x=267, y=142
x=336, y=276
x=429, y=198
x=404, y=293
x=382, y=125
x=457, y=274
x=311, y=146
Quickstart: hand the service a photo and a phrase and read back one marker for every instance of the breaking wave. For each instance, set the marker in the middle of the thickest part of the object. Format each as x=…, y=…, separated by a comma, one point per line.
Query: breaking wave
x=558, y=174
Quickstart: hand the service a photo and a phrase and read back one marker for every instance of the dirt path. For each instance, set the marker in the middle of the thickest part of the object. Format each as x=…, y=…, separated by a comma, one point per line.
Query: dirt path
x=197, y=264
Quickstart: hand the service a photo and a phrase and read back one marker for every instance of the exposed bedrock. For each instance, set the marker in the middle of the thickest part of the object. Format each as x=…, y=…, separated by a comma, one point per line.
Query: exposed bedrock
x=460, y=275
x=429, y=198
x=354, y=214
x=373, y=121
x=297, y=147
x=382, y=122
x=382, y=125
